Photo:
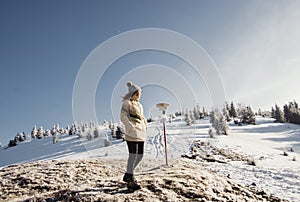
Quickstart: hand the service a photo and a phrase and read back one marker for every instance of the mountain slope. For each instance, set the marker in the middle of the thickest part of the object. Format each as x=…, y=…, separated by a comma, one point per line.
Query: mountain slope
x=76, y=166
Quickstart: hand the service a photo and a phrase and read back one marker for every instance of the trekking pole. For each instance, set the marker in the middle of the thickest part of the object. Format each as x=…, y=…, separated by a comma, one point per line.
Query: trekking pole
x=165, y=140
x=163, y=107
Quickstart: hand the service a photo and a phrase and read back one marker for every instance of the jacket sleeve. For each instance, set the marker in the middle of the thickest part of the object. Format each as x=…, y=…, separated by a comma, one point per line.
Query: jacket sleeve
x=142, y=112
x=125, y=116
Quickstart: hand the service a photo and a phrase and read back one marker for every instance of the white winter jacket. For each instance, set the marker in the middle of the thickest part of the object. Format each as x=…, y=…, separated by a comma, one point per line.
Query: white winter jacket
x=132, y=116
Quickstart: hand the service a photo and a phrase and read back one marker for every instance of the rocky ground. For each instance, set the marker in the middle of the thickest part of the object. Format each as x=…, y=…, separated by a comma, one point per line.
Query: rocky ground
x=100, y=180
x=205, y=151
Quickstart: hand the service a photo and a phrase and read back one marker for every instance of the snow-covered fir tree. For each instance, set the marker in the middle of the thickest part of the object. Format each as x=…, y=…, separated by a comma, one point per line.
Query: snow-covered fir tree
x=292, y=112
x=272, y=112
x=120, y=132
x=232, y=111
x=259, y=112
x=204, y=112
x=218, y=122
x=34, y=132
x=80, y=134
x=286, y=112
x=188, y=118
x=248, y=116
x=197, y=112
x=40, y=133
x=113, y=131
x=245, y=114
x=278, y=114
x=226, y=112
x=89, y=135
x=96, y=132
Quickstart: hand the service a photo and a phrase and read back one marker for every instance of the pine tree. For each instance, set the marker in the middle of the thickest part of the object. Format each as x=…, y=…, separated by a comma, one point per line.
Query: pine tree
x=226, y=112
x=292, y=112
x=96, y=133
x=218, y=122
x=119, y=133
x=188, y=118
x=272, y=112
x=199, y=111
x=252, y=119
x=279, y=116
x=296, y=105
x=232, y=111
x=223, y=125
x=226, y=106
x=259, y=112
x=247, y=115
x=196, y=113
x=40, y=133
x=287, y=113
x=89, y=134
x=34, y=132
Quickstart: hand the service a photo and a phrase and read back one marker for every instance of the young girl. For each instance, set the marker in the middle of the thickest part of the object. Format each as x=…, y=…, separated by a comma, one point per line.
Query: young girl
x=135, y=130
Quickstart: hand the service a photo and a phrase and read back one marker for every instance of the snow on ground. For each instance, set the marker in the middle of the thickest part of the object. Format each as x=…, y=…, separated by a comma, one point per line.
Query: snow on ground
x=265, y=143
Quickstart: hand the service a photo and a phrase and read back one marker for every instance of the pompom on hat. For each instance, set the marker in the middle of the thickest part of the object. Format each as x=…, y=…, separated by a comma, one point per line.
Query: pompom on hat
x=132, y=88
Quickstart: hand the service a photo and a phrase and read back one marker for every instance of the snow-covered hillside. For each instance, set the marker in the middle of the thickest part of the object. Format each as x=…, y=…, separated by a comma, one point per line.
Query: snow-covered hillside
x=72, y=147
x=264, y=143
x=275, y=150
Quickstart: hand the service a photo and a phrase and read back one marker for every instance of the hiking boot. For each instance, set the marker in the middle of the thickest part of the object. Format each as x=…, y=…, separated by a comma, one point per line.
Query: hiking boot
x=133, y=185
x=129, y=178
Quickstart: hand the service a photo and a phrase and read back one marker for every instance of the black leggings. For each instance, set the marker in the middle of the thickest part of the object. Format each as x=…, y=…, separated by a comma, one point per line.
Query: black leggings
x=136, y=152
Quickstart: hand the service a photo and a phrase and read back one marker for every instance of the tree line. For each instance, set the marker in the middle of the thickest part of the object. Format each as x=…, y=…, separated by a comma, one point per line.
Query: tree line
x=239, y=114
x=289, y=114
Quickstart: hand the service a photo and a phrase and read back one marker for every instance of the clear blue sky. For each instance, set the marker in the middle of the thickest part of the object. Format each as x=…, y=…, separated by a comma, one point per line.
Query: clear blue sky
x=254, y=44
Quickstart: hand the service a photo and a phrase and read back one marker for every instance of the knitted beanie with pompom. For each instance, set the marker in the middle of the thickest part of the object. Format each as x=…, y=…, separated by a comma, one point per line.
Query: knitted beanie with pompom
x=132, y=88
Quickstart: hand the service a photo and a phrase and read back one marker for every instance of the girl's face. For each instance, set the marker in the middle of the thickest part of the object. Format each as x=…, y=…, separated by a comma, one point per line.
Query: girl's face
x=136, y=96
